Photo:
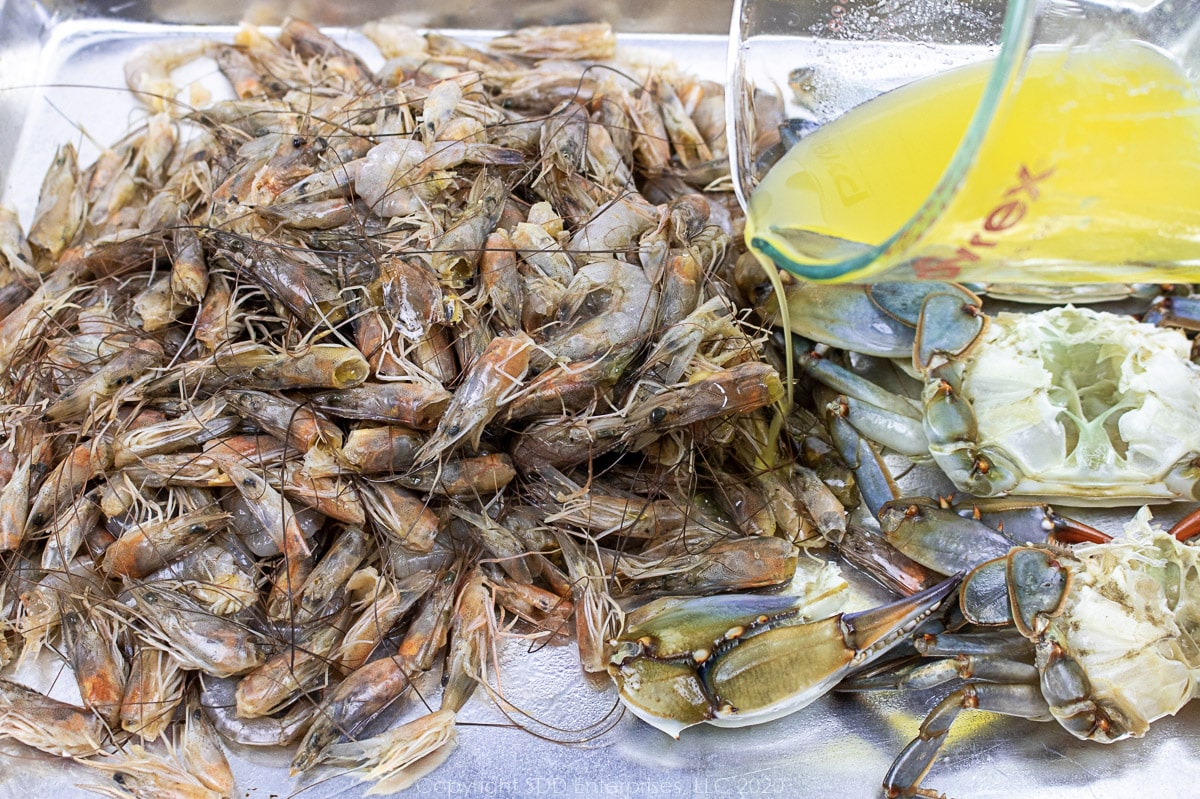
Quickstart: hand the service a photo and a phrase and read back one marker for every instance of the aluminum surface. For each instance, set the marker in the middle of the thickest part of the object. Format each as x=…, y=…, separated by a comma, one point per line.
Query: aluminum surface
x=61, y=79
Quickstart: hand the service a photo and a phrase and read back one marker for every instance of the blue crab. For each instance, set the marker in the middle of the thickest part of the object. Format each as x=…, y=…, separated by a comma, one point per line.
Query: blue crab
x=1068, y=404
x=1102, y=637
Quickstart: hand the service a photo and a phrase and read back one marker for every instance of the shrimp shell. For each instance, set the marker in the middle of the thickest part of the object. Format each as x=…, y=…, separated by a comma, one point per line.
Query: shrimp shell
x=375, y=450
x=143, y=774
x=470, y=641
x=217, y=701
x=380, y=604
x=90, y=644
x=198, y=639
x=292, y=423
x=72, y=473
x=396, y=759
x=255, y=366
x=152, y=692
x=149, y=546
x=583, y=41
x=419, y=405
x=61, y=205
x=332, y=572
x=462, y=477
x=142, y=356
x=148, y=72
x=488, y=384
x=282, y=678
x=202, y=755
x=619, y=307
x=47, y=724
x=361, y=697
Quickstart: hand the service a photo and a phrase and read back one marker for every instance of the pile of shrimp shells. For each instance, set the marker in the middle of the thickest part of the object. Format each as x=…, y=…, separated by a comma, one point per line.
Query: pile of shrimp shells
x=311, y=392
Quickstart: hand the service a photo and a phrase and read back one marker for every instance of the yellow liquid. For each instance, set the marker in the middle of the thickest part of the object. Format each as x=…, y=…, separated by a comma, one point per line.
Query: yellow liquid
x=1090, y=172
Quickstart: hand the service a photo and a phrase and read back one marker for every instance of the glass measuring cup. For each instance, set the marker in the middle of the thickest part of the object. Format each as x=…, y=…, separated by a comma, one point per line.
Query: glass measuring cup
x=1046, y=141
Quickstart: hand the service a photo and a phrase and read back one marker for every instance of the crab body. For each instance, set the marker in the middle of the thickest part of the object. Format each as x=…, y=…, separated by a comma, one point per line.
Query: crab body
x=1103, y=638
x=1068, y=405
x=1130, y=622
x=1071, y=402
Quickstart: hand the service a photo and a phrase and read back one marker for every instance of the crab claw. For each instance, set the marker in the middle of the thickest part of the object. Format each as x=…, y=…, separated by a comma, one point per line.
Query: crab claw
x=743, y=660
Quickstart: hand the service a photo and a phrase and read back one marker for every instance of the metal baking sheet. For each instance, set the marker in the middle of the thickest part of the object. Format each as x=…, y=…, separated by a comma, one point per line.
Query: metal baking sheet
x=61, y=80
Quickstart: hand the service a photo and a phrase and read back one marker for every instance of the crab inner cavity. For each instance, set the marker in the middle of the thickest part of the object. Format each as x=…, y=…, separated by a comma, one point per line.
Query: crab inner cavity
x=1083, y=401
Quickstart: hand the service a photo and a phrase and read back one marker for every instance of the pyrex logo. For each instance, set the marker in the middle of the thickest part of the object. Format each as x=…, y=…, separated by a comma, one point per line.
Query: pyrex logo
x=1004, y=216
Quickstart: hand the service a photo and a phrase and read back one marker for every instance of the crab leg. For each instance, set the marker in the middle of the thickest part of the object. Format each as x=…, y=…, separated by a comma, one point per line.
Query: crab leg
x=982, y=667
x=874, y=479
x=847, y=317
x=889, y=320
x=939, y=538
x=834, y=376
x=896, y=432
x=907, y=771
x=1187, y=527
x=738, y=660
x=951, y=540
x=995, y=682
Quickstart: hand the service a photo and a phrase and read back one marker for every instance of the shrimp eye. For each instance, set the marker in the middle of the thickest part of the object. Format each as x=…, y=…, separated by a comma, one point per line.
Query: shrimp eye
x=119, y=778
x=298, y=142
x=236, y=245
x=657, y=415
x=196, y=529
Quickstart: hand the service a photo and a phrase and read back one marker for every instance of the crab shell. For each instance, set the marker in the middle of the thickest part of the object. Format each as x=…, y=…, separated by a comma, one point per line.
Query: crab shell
x=1131, y=622
x=1071, y=405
